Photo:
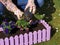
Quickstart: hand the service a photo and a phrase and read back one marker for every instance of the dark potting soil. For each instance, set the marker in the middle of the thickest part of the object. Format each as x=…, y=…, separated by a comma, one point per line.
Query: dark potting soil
x=16, y=31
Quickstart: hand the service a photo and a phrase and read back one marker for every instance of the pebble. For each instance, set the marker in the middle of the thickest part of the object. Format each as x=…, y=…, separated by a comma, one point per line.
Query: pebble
x=59, y=14
x=54, y=17
x=54, y=5
x=56, y=30
x=43, y=14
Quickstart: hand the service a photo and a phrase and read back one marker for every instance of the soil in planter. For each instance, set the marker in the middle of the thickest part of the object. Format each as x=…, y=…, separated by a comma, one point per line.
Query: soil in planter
x=16, y=31
x=37, y=27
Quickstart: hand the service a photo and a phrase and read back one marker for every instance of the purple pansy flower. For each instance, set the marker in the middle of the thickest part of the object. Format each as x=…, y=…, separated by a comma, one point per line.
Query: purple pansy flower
x=6, y=30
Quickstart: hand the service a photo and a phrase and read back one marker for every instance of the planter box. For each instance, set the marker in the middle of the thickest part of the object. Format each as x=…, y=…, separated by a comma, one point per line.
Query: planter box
x=29, y=38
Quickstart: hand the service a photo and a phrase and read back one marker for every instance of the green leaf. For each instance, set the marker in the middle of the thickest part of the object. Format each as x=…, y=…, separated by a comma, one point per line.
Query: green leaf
x=22, y=23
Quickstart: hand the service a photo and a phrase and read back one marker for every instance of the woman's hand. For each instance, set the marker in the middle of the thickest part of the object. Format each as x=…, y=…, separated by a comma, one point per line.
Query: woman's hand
x=18, y=13
x=31, y=5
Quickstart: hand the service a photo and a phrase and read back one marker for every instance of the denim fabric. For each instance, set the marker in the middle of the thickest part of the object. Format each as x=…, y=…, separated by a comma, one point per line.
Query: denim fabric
x=1, y=8
x=40, y=2
x=22, y=3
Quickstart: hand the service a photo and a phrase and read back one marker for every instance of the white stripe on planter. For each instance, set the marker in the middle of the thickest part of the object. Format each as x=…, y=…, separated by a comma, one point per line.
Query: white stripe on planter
x=43, y=35
x=21, y=39
x=11, y=40
x=35, y=37
x=39, y=36
x=48, y=33
x=1, y=42
x=16, y=40
x=6, y=41
x=25, y=39
x=30, y=38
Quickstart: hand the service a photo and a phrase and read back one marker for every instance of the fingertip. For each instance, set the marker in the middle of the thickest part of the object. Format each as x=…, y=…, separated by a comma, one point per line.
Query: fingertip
x=31, y=9
x=25, y=8
x=34, y=10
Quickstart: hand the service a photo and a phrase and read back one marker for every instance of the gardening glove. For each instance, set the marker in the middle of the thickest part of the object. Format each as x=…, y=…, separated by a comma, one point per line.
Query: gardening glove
x=12, y=7
x=31, y=5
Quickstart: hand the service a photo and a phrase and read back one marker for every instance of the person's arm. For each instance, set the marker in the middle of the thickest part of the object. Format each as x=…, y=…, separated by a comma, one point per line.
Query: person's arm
x=9, y=5
x=12, y=7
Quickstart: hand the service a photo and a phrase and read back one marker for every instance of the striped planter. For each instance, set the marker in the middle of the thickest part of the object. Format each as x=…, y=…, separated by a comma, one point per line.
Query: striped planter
x=30, y=38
